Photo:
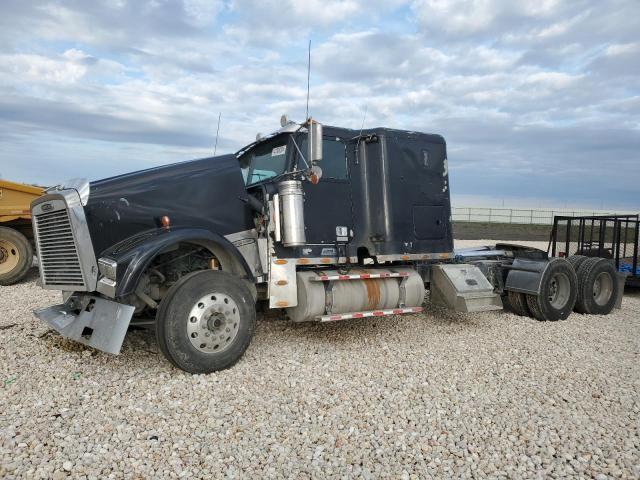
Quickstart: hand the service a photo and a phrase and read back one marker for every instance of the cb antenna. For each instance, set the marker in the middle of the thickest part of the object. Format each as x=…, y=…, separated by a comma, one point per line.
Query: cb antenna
x=308, y=78
x=215, y=148
x=364, y=117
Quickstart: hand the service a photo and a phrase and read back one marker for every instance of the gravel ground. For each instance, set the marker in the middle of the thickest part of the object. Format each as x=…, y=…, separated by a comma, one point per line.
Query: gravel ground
x=434, y=395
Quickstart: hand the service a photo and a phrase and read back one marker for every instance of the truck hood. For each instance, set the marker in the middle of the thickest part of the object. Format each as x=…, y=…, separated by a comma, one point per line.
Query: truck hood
x=206, y=193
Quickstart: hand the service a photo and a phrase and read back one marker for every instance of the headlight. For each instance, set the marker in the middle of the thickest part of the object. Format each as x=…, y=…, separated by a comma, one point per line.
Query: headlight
x=108, y=267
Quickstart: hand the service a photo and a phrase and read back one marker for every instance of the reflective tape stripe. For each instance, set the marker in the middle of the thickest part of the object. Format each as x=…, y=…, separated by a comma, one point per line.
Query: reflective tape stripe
x=360, y=276
x=371, y=313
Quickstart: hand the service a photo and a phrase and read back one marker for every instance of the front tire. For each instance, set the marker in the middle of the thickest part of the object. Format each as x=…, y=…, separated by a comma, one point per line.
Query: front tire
x=206, y=321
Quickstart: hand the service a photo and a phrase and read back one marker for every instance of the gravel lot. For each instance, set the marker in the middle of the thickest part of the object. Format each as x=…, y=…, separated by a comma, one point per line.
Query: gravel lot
x=435, y=395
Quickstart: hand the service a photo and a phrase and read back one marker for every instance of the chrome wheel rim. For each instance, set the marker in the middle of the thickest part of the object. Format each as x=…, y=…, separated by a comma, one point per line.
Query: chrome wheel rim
x=559, y=290
x=602, y=288
x=213, y=323
x=9, y=256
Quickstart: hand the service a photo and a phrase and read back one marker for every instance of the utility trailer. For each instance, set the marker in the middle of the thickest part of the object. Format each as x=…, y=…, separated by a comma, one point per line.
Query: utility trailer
x=322, y=223
x=16, y=236
x=614, y=237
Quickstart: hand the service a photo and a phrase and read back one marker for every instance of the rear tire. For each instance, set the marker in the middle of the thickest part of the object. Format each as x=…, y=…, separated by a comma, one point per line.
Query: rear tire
x=506, y=304
x=597, y=287
x=206, y=321
x=518, y=303
x=558, y=292
x=576, y=261
x=16, y=256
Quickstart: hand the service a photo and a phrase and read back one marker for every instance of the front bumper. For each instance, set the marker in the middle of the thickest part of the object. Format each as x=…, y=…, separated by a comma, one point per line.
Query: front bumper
x=91, y=320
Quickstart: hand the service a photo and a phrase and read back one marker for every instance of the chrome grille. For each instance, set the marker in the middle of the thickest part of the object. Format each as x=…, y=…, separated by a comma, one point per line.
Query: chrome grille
x=58, y=256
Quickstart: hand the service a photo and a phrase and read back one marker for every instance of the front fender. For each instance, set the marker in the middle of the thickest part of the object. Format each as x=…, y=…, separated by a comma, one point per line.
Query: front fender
x=134, y=255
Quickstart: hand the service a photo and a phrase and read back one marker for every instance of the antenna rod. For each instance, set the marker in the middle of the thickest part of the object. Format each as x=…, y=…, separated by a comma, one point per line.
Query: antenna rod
x=215, y=148
x=308, y=78
x=366, y=107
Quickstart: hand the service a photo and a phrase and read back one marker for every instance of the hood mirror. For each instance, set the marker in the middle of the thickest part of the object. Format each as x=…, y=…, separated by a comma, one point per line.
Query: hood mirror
x=315, y=174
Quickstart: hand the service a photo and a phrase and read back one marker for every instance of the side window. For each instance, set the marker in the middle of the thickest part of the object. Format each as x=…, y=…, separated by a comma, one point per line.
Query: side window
x=334, y=157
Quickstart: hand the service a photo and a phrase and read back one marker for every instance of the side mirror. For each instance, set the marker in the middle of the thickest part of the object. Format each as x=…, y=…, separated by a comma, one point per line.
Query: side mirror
x=314, y=153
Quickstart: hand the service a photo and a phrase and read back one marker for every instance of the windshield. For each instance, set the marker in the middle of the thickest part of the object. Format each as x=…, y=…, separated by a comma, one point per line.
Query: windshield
x=264, y=161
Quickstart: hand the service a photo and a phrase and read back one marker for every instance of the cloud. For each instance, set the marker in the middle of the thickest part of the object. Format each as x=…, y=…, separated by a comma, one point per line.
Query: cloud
x=475, y=17
x=278, y=13
x=372, y=56
x=527, y=94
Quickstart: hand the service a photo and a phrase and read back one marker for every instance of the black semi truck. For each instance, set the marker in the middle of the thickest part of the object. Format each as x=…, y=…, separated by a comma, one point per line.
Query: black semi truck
x=324, y=223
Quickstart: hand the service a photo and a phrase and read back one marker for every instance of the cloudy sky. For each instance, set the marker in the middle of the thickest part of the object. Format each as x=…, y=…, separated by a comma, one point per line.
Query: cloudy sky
x=539, y=101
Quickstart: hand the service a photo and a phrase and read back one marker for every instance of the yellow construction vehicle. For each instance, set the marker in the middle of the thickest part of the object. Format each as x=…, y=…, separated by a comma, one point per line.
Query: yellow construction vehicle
x=16, y=235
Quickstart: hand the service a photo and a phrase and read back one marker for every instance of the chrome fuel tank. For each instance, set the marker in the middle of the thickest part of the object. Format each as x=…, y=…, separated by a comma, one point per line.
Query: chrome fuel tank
x=316, y=298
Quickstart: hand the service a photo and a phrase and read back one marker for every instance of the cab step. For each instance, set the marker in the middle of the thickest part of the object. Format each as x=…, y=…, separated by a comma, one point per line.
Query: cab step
x=370, y=313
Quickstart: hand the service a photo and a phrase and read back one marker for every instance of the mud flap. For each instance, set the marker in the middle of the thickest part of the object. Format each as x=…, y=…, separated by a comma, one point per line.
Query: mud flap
x=525, y=276
x=99, y=323
x=283, y=286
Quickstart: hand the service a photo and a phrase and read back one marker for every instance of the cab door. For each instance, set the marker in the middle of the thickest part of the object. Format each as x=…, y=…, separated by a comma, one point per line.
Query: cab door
x=327, y=207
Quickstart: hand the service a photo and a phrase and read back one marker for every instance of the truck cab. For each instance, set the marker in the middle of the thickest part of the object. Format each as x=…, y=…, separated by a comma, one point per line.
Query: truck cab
x=383, y=193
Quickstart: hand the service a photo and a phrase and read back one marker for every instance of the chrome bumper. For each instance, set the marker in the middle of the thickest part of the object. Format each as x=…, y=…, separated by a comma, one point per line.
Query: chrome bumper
x=91, y=320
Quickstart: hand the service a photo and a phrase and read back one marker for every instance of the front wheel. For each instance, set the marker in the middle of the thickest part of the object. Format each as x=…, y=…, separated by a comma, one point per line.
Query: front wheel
x=206, y=321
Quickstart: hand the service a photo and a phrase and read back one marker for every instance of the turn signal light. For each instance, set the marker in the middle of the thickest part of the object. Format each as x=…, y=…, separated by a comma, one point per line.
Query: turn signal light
x=165, y=221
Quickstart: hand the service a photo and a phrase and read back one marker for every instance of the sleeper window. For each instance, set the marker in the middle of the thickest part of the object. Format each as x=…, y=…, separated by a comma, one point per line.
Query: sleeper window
x=334, y=157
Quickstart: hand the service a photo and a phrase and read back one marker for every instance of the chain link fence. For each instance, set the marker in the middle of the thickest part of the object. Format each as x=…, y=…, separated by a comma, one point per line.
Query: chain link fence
x=532, y=216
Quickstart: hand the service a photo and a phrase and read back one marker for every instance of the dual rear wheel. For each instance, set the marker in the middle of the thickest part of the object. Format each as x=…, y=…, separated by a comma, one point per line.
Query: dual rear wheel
x=584, y=284
x=557, y=297
x=558, y=292
x=598, y=287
